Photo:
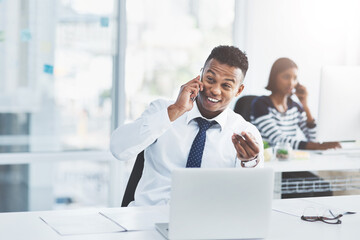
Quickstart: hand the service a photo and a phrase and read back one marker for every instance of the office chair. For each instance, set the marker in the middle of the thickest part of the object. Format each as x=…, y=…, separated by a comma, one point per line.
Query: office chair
x=134, y=178
x=243, y=106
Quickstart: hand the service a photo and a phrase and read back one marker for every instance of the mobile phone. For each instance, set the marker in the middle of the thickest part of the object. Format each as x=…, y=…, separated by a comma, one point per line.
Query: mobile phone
x=201, y=75
x=298, y=89
x=239, y=134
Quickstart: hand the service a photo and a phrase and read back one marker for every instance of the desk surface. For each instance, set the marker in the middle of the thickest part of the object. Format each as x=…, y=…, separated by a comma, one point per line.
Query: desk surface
x=317, y=162
x=27, y=225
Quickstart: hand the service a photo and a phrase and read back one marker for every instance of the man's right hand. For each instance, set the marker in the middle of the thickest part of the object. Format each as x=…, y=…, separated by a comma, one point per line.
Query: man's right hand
x=185, y=99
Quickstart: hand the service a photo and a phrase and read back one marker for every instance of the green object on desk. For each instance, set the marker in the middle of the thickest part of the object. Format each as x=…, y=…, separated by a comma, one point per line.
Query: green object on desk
x=282, y=154
x=282, y=151
x=266, y=144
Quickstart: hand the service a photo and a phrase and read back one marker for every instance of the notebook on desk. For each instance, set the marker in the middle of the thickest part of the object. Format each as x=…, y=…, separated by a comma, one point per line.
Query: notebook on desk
x=219, y=204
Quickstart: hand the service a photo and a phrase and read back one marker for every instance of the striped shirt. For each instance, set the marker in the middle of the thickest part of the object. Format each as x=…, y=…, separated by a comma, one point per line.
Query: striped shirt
x=275, y=126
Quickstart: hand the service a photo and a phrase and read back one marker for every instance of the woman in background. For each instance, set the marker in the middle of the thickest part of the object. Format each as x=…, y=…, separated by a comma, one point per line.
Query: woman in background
x=279, y=120
x=278, y=117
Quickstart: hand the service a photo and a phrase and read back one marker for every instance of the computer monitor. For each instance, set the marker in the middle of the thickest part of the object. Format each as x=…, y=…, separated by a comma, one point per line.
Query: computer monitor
x=339, y=104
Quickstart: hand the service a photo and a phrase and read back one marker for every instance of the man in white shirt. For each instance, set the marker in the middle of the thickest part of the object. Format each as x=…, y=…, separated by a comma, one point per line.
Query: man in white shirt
x=172, y=135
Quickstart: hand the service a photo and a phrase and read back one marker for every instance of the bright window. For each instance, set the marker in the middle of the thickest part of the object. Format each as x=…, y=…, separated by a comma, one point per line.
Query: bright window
x=167, y=44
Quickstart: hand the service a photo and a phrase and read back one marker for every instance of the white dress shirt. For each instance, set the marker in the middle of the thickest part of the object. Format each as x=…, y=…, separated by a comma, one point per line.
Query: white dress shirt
x=167, y=145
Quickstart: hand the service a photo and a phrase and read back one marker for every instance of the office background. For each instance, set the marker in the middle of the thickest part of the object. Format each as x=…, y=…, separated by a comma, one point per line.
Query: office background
x=73, y=70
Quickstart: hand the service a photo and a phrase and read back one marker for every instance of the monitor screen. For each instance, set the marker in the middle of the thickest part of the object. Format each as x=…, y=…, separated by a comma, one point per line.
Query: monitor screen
x=339, y=104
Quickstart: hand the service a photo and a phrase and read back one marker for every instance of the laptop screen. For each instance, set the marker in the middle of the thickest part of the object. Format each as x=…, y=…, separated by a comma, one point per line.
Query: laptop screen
x=220, y=203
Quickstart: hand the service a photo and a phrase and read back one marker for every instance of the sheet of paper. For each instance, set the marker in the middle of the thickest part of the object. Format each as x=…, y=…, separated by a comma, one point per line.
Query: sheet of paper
x=327, y=206
x=293, y=207
x=134, y=219
x=298, y=207
x=80, y=223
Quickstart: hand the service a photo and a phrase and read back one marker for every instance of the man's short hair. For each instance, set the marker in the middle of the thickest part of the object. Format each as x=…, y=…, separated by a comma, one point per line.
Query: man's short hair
x=280, y=65
x=231, y=56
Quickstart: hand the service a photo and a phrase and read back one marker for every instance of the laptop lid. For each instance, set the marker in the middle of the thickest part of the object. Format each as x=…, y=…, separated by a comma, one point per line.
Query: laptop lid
x=220, y=203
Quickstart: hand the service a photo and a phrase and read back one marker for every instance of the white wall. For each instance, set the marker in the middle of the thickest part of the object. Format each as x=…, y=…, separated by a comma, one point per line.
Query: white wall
x=312, y=33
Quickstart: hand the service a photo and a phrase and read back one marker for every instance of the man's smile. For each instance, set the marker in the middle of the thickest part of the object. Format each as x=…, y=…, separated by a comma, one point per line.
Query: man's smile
x=213, y=100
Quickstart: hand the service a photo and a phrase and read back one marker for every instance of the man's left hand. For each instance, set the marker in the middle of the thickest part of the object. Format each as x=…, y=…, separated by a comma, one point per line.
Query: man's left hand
x=246, y=146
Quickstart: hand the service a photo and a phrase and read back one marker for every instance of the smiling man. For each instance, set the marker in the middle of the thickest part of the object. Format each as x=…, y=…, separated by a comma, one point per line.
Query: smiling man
x=197, y=130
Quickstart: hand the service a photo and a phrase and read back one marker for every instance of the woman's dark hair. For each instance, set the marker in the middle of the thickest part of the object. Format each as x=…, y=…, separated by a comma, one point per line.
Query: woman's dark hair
x=279, y=66
x=231, y=56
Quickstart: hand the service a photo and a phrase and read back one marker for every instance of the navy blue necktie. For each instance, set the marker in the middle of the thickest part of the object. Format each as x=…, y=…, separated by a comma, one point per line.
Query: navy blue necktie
x=197, y=147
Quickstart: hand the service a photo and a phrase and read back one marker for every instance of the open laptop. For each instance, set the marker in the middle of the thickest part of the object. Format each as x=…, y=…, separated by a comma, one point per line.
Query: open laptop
x=219, y=204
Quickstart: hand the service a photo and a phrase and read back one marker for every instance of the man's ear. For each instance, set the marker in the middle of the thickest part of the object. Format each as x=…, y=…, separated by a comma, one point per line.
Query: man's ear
x=201, y=73
x=240, y=89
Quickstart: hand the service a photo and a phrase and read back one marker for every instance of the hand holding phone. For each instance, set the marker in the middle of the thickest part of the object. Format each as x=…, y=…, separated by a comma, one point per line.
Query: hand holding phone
x=300, y=89
x=185, y=99
x=301, y=93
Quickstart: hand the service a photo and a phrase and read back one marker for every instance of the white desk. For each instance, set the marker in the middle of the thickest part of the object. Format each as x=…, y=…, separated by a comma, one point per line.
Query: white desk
x=314, y=162
x=317, y=162
x=27, y=225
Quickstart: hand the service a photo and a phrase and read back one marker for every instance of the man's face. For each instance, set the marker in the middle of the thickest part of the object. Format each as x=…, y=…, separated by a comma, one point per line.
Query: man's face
x=221, y=84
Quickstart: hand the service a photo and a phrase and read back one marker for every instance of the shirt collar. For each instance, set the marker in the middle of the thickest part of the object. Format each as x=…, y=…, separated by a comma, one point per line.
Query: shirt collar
x=220, y=119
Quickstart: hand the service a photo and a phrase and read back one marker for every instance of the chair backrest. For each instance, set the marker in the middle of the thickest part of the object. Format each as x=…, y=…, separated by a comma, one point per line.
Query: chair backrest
x=243, y=106
x=134, y=178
